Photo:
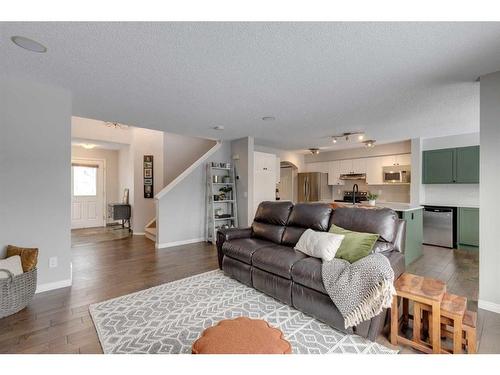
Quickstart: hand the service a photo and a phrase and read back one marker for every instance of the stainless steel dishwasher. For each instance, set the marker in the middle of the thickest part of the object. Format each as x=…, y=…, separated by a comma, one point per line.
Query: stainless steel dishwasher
x=439, y=226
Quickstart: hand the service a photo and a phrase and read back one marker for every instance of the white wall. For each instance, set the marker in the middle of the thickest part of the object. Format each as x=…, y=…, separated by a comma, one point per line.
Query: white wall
x=180, y=152
x=125, y=173
x=181, y=217
x=113, y=194
x=35, y=175
x=489, y=251
x=145, y=142
x=461, y=195
x=243, y=149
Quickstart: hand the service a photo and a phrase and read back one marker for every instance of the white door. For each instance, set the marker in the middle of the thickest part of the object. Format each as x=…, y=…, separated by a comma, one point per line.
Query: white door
x=87, y=193
x=264, y=178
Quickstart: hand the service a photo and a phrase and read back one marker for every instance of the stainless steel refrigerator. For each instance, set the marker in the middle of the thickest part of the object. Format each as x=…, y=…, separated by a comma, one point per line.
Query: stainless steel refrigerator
x=313, y=187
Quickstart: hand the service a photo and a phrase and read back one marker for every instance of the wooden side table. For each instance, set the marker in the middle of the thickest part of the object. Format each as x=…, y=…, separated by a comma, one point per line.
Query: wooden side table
x=421, y=290
x=453, y=309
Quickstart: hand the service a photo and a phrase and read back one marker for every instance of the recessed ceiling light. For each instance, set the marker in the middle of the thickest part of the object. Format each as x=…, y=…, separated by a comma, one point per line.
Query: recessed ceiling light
x=218, y=127
x=314, y=151
x=268, y=118
x=28, y=44
x=360, y=137
x=334, y=140
x=88, y=146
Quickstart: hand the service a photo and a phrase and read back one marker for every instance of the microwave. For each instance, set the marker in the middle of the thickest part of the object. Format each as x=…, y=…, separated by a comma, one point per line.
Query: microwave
x=396, y=174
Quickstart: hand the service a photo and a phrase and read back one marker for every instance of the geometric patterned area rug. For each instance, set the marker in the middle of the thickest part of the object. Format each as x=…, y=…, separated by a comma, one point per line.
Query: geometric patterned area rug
x=170, y=317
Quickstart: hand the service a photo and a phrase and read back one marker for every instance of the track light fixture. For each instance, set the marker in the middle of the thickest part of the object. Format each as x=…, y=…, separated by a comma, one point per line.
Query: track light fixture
x=314, y=151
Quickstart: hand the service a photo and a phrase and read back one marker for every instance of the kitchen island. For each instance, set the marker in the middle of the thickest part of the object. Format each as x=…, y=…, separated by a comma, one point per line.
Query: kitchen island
x=412, y=214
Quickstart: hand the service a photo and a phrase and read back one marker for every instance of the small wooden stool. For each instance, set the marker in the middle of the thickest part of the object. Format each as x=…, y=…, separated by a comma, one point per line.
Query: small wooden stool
x=469, y=340
x=421, y=290
x=453, y=308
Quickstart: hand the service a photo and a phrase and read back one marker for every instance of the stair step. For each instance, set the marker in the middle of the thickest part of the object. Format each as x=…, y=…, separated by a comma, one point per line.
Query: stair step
x=151, y=231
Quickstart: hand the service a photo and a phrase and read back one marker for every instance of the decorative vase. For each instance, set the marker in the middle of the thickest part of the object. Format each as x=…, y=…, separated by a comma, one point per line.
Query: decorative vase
x=371, y=202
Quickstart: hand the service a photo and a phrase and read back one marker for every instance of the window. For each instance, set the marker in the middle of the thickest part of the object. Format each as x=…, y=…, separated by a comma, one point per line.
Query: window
x=84, y=180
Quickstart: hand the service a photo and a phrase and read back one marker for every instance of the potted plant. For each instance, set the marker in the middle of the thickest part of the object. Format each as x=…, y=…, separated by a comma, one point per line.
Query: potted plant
x=372, y=198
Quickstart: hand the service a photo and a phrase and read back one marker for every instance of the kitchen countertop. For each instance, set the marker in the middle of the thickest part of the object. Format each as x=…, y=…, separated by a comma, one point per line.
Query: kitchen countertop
x=396, y=206
x=451, y=205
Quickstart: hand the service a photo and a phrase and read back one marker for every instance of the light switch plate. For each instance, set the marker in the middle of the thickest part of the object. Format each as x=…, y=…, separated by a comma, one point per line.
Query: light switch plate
x=52, y=262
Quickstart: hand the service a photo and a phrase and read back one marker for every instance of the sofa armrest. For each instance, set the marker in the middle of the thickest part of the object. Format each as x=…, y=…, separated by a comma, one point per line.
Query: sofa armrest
x=229, y=234
x=400, y=240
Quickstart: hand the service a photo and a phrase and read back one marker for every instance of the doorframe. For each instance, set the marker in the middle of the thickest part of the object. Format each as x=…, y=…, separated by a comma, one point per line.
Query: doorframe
x=104, y=200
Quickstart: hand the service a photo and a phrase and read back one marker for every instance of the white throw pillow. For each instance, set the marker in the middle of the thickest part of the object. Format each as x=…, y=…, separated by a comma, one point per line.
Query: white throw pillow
x=322, y=245
x=13, y=264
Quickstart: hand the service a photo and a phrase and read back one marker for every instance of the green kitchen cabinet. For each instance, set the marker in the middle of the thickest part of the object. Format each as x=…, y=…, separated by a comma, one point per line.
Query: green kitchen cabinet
x=468, y=226
x=467, y=165
x=437, y=167
x=451, y=166
x=414, y=234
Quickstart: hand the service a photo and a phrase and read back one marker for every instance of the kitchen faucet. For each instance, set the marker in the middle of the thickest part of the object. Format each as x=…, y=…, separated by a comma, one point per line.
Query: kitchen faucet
x=354, y=191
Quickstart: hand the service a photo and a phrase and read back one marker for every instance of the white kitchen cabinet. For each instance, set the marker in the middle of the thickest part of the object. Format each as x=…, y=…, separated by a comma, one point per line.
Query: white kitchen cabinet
x=403, y=159
x=374, y=167
x=359, y=165
x=321, y=166
x=353, y=166
x=334, y=173
x=346, y=166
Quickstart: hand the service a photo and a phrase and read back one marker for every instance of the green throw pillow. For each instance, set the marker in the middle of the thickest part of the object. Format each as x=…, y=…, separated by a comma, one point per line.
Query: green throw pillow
x=355, y=245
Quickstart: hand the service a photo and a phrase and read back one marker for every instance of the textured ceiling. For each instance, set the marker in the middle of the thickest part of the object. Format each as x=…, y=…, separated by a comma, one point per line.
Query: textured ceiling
x=393, y=80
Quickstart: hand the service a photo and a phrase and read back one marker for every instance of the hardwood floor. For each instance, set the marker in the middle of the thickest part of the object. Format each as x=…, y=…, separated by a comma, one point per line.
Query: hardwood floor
x=58, y=321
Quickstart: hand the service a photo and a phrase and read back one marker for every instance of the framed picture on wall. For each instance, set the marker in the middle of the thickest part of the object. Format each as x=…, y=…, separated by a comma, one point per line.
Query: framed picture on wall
x=148, y=176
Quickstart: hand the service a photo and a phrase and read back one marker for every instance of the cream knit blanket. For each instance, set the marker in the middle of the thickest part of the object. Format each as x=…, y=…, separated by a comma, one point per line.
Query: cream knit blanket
x=360, y=290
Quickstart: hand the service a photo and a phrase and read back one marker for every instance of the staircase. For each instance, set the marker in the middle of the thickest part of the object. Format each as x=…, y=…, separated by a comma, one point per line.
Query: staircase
x=150, y=230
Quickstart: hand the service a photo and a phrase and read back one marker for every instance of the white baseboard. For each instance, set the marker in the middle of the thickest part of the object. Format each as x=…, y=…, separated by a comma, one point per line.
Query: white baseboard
x=178, y=243
x=51, y=286
x=490, y=306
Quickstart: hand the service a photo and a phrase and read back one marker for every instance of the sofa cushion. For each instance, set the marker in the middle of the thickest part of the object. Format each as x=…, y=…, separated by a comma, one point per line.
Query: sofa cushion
x=321, y=245
x=383, y=247
x=315, y=216
x=277, y=259
x=273, y=212
x=243, y=248
x=307, y=272
x=381, y=221
x=355, y=245
x=269, y=232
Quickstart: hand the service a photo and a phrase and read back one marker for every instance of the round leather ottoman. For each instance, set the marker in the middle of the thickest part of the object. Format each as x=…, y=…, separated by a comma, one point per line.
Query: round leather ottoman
x=241, y=336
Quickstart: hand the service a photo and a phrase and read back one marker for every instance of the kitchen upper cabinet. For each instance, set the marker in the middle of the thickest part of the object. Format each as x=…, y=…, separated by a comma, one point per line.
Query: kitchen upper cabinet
x=451, y=165
x=467, y=165
x=334, y=173
x=437, y=166
x=322, y=166
x=403, y=159
x=353, y=166
x=359, y=166
x=374, y=175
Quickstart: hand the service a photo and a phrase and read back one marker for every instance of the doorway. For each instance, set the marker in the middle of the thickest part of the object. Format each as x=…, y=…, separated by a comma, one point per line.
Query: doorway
x=88, y=193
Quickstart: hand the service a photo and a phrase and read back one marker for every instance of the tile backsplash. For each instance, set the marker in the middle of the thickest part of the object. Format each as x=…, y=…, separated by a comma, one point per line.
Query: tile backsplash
x=386, y=193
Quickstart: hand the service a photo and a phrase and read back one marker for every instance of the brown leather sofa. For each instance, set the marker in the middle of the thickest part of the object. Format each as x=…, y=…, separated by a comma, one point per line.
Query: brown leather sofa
x=264, y=258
